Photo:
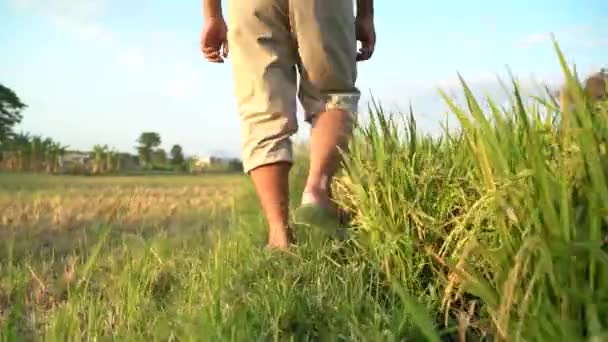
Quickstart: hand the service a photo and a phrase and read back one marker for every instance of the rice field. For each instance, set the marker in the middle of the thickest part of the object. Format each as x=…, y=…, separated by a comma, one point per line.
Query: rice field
x=51, y=223
x=495, y=232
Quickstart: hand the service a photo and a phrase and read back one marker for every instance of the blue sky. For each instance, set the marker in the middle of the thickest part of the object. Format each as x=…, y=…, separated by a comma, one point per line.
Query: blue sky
x=102, y=71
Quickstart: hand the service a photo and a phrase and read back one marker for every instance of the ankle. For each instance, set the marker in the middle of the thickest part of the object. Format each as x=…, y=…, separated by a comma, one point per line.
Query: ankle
x=320, y=199
x=280, y=235
x=317, y=183
x=313, y=195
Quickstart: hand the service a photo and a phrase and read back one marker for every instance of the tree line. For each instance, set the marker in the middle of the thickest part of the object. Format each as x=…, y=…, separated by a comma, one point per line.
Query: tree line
x=21, y=152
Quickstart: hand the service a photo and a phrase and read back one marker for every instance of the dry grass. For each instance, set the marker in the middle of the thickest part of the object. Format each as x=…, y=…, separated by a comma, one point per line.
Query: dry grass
x=128, y=203
x=61, y=203
x=50, y=225
x=54, y=214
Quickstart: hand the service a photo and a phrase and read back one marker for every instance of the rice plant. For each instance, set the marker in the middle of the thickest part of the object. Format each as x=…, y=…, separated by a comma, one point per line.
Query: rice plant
x=500, y=227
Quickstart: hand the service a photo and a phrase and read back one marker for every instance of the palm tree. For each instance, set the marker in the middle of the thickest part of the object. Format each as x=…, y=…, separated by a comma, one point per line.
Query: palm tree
x=61, y=149
x=55, y=152
x=37, y=153
x=116, y=164
x=22, y=150
x=99, y=156
x=46, y=154
x=110, y=160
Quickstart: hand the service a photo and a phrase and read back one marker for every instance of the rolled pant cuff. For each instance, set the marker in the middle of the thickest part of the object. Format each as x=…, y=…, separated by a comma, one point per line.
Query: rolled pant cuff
x=262, y=159
x=344, y=101
x=348, y=102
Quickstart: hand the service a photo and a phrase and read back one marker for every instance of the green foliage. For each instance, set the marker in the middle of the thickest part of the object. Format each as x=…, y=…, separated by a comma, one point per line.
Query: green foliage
x=10, y=113
x=177, y=155
x=159, y=157
x=104, y=160
x=235, y=165
x=147, y=141
x=500, y=226
x=23, y=152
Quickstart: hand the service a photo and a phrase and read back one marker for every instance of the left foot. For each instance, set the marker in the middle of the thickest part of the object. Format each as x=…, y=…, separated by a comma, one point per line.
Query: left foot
x=281, y=239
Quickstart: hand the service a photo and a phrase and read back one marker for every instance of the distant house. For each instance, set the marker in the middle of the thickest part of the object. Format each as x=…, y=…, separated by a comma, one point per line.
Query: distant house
x=211, y=163
x=74, y=157
x=202, y=162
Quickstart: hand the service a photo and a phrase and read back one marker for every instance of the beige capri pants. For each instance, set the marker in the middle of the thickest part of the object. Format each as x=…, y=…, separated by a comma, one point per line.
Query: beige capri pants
x=272, y=42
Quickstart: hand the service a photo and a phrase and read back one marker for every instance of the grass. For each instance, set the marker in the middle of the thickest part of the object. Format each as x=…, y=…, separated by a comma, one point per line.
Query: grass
x=500, y=227
x=198, y=272
x=59, y=231
x=493, y=232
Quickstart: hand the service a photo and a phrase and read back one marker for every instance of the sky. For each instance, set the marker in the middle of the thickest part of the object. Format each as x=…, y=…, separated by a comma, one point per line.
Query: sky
x=103, y=71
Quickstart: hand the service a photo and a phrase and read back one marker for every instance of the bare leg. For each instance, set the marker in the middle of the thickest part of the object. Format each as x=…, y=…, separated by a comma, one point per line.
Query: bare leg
x=272, y=186
x=331, y=130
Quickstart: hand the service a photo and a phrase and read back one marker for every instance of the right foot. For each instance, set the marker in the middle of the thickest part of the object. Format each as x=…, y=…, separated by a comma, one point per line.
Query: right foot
x=318, y=198
x=317, y=209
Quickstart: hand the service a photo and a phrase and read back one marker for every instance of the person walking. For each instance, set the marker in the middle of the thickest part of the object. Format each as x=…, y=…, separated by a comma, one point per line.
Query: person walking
x=271, y=43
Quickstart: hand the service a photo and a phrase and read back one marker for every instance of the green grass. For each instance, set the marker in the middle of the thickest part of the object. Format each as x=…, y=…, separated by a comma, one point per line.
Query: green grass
x=493, y=232
x=168, y=279
x=500, y=227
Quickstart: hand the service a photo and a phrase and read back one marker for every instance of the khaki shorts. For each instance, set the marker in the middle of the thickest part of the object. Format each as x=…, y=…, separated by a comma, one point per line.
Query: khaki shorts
x=272, y=42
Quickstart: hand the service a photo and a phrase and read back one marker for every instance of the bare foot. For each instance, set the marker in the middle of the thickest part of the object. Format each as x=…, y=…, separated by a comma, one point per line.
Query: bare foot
x=320, y=198
x=278, y=246
x=280, y=238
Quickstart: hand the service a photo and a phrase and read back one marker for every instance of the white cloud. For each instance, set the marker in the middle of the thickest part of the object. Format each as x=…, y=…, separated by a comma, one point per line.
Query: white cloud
x=75, y=11
x=183, y=84
x=81, y=19
x=78, y=17
x=93, y=32
x=479, y=78
x=535, y=39
x=132, y=58
x=145, y=63
x=483, y=84
x=596, y=43
x=586, y=36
